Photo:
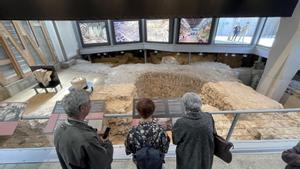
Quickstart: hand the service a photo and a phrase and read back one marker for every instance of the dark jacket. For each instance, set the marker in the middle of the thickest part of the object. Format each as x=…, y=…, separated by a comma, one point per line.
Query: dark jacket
x=193, y=135
x=78, y=147
x=292, y=157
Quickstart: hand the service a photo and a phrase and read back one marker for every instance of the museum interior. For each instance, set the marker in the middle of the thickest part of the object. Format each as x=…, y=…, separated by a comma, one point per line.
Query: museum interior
x=244, y=66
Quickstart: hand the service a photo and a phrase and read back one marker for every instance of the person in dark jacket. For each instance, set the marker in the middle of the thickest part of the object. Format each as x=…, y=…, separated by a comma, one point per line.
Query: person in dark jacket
x=148, y=132
x=193, y=135
x=78, y=145
x=292, y=157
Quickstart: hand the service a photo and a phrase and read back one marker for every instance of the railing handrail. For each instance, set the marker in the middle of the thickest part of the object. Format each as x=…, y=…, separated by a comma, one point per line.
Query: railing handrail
x=248, y=111
x=236, y=116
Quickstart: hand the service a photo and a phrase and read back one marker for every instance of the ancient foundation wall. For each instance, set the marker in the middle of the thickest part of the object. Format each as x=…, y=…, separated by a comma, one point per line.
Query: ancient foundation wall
x=118, y=100
x=235, y=96
x=166, y=85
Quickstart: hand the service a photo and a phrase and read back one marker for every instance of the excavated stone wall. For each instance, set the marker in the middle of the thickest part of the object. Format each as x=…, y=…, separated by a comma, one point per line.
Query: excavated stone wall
x=166, y=85
x=223, y=95
x=236, y=96
x=118, y=100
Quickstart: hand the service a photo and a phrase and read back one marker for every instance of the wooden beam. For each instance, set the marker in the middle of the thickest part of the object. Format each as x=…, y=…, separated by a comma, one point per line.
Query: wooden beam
x=24, y=34
x=10, y=35
x=32, y=29
x=2, y=79
x=37, y=50
x=26, y=54
x=4, y=62
x=11, y=57
x=10, y=80
x=22, y=52
x=49, y=43
x=36, y=47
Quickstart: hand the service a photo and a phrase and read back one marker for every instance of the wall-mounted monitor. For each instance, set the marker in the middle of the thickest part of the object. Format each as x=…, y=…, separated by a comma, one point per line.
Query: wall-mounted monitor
x=195, y=30
x=158, y=30
x=236, y=30
x=127, y=31
x=93, y=33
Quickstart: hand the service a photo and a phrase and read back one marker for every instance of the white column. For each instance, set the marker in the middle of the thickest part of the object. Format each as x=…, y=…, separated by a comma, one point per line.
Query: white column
x=284, y=58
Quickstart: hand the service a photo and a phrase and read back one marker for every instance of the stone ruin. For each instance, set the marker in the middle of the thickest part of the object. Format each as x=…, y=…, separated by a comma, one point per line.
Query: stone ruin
x=216, y=94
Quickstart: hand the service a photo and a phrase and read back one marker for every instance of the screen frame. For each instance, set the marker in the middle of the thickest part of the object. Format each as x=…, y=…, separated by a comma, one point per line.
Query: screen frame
x=124, y=20
x=93, y=44
x=171, y=31
x=213, y=22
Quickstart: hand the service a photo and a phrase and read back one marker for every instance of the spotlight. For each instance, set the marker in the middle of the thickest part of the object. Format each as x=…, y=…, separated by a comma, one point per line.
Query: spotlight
x=104, y=54
x=177, y=53
x=200, y=54
x=245, y=55
x=155, y=52
x=122, y=52
x=98, y=54
x=226, y=54
x=233, y=55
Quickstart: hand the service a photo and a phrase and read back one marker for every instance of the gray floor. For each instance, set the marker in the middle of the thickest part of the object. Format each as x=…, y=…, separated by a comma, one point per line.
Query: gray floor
x=240, y=161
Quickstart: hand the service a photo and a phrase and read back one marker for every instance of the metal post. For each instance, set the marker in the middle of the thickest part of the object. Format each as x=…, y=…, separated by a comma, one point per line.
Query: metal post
x=145, y=56
x=190, y=55
x=233, y=124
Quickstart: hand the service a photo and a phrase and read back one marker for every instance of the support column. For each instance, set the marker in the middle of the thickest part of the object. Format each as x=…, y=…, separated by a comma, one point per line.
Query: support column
x=283, y=60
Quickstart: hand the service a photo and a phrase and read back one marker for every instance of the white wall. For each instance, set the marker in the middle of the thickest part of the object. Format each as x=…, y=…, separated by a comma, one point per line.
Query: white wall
x=67, y=34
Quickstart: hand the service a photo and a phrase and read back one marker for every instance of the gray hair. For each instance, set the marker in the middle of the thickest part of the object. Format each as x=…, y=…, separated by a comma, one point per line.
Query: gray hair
x=72, y=101
x=192, y=102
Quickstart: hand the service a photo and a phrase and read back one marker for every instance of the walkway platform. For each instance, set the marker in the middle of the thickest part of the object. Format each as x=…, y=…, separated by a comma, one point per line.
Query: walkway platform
x=260, y=154
x=240, y=161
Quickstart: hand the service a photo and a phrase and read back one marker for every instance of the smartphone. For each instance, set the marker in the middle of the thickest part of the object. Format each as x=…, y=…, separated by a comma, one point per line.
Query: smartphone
x=106, y=133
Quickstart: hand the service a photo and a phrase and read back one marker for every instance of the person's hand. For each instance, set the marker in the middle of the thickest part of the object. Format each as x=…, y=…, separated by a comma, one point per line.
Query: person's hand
x=104, y=140
x=100, y=134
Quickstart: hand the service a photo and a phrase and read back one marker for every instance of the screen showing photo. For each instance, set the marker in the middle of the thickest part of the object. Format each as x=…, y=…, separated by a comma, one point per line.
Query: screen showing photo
x=195, y=30
x=127, y=31
x=158, y=30
x=236, y=30
x=93, y=32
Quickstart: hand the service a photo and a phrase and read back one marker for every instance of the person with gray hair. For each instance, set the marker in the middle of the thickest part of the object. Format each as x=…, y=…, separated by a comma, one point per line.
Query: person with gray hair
x=77, y=144
x=194, y=135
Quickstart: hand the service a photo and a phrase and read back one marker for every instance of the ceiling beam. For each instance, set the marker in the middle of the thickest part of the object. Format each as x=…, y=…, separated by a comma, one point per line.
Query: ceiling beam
x=131, y=9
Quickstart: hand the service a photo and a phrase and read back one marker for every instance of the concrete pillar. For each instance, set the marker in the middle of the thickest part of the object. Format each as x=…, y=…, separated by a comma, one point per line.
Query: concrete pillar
x=283, y=60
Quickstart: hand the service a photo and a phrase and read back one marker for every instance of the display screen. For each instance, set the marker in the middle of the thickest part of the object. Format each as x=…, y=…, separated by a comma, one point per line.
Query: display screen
x=158, y=30
x=194, y=30
x=236, y=30
x=127, y=31
x=93, y=32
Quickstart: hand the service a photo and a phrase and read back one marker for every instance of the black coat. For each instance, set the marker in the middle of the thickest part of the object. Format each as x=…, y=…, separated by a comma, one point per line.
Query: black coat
x=292, y=157
x=193, y=135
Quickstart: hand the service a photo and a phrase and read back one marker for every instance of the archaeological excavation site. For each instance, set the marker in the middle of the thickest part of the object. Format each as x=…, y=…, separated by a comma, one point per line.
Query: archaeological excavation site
x=245, y=70
x=166, y=80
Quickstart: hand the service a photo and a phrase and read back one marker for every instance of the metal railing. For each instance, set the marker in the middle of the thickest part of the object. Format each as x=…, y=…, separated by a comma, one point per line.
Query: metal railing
x=236, y=114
